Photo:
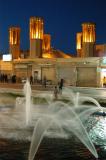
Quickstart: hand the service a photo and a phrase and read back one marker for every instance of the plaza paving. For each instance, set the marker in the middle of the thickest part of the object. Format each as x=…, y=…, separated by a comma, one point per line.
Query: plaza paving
x=97, y=93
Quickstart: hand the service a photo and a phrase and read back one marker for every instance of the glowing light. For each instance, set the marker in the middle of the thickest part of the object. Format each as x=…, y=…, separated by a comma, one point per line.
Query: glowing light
x=14, y=36
x=103, y=69
x=104, y=60
x=79, y=40
x=46, y=45
x=47, y=55
x=88, y=30
x=7, y=57
x=36, y=28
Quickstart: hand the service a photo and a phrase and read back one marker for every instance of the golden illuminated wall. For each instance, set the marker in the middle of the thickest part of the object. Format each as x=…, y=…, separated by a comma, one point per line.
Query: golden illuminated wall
x=79, y=40
x=88, y=30
x=100, y=50
x=36, y=28
x=36, y=37
x=79, y=44
x=46, y=45
x=14, y=36
x=14, y=42
x=88, y=39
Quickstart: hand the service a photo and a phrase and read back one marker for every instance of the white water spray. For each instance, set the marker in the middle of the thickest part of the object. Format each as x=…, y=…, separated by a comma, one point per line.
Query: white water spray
x=27, y=92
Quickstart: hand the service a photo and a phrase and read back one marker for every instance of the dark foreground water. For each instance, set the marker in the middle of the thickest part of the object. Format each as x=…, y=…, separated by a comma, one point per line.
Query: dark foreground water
x=50, y=149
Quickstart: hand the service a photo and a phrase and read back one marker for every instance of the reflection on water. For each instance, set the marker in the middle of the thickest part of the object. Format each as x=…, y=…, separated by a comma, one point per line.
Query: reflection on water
x=58, y=148
x=50, y=149
x=98, y=132
x=13, y=150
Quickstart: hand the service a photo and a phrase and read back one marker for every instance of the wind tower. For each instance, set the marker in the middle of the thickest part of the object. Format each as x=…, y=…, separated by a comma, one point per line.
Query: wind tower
x=36, y=36
x=14, y=42
x=88, y=39
x=79, y=44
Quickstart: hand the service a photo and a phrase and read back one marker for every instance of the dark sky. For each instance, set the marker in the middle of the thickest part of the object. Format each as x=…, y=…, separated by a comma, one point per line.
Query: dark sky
x=62, y=19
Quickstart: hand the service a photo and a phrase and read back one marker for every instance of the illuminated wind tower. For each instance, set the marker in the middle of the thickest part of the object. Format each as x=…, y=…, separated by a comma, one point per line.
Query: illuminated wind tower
x=46, y=46
x=88, y=39
x=14, y=42
x=79, y=44
x=36, y=37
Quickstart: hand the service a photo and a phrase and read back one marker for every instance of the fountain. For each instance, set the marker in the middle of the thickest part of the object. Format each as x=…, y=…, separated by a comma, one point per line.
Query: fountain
x=64, y=115
x=29, y=122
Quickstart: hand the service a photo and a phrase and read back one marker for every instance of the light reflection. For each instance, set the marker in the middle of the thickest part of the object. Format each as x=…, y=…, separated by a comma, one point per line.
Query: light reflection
x=98, y=131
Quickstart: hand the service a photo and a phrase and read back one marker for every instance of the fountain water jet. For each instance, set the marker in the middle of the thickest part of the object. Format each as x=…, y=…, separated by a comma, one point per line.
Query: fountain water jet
x=38, y=134
x=27, y=92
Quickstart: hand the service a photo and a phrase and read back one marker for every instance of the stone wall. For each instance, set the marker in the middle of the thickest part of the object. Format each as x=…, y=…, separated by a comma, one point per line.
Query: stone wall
x=87, y=76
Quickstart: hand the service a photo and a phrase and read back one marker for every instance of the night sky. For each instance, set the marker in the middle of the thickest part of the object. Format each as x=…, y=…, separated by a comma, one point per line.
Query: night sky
x=62, y=19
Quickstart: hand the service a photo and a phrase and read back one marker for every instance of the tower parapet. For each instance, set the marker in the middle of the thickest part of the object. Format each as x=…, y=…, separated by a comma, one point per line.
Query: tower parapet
x=88, y=39
x=88, y=30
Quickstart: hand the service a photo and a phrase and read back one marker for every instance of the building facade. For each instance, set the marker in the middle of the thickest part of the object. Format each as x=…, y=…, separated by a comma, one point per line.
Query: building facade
x=83, y=72
x=87, y=69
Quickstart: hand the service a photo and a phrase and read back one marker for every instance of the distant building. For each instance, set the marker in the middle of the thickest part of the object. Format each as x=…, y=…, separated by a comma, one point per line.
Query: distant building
x=41, y=60
x=83, y=72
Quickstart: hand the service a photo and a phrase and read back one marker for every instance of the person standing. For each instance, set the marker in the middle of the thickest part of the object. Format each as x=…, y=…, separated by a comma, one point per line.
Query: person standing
x=104, y=81
x=31, y=79
x=44, y=81
x=61, y=85
x=55, y=93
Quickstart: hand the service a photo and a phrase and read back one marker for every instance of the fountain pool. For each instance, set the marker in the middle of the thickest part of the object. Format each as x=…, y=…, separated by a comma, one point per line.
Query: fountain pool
x=53, y=130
